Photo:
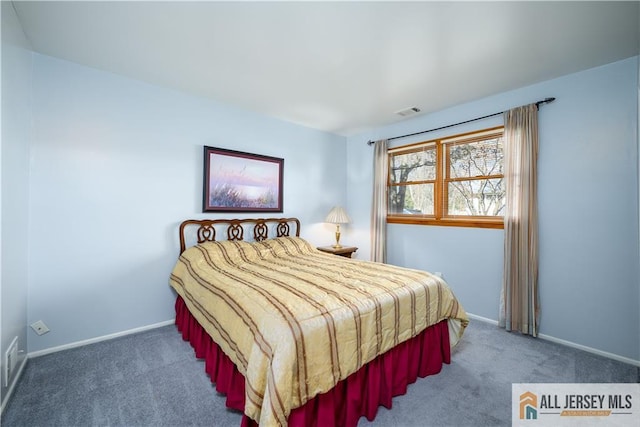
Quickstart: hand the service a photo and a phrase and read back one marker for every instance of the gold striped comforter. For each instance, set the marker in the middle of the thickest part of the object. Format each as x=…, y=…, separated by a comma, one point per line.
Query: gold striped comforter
x=295, y=321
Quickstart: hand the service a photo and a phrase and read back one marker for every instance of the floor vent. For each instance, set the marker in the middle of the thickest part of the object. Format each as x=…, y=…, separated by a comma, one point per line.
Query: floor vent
x=10, y=361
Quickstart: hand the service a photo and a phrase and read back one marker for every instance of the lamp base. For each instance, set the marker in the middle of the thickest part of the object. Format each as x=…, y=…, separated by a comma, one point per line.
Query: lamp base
x=337, y=245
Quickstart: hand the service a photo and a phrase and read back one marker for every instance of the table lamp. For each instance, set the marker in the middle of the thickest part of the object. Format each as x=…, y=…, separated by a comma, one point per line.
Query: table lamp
x=337, y=216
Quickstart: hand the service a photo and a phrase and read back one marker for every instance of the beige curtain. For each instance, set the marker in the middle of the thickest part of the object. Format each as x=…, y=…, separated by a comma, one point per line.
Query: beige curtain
x=519, y=309
x=379, y=207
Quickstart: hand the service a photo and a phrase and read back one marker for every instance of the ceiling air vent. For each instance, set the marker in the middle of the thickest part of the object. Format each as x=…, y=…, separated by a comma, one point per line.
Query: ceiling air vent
x=408, y=111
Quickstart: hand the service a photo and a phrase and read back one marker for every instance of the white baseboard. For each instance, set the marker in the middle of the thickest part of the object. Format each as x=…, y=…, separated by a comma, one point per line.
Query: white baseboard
x=568, y=343
x=590, y=350
x=98, y=339
x=172, y=321
x=73, y=345
x=482, y=319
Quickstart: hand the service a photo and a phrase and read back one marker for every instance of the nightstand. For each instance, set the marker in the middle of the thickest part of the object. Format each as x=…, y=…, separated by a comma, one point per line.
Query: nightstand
x=345, y=251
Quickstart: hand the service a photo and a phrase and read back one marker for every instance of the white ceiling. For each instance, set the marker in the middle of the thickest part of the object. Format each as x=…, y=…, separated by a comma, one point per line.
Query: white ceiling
x=343, y=67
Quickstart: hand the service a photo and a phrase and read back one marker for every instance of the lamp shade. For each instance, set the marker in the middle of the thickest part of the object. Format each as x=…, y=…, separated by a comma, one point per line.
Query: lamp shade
x=337, y=215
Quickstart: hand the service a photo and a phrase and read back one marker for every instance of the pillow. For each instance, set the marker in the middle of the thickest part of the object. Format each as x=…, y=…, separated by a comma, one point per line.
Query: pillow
x=229, y=251
x=284, y=246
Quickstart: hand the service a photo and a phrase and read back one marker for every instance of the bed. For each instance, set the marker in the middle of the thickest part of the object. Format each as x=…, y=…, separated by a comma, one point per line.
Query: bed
x=295, y=336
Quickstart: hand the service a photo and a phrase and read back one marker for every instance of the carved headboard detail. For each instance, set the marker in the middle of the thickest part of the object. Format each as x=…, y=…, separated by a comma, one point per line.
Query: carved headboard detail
x=207, y=229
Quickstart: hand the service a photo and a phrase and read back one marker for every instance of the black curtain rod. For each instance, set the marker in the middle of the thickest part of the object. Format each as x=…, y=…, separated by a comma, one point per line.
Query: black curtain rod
x=538, y=104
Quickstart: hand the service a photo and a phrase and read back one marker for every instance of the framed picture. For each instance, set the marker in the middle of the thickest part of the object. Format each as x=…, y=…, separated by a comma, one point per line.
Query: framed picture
x=241, y=182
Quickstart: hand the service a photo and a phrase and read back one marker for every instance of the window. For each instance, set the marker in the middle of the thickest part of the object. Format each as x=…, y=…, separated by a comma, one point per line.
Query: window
x=454, y=181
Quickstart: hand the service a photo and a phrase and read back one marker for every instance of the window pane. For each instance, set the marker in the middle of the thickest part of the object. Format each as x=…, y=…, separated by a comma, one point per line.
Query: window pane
x=481, y=197
x=482, y=158
x=414, y=199
x=411, y=167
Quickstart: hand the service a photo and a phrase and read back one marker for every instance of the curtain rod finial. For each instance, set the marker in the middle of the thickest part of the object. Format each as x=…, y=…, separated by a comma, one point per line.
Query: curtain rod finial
x=370, y=142
x=545, y=101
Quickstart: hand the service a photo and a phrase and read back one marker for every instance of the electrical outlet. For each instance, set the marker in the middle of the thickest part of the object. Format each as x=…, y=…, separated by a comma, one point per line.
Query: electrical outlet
x=39, y=327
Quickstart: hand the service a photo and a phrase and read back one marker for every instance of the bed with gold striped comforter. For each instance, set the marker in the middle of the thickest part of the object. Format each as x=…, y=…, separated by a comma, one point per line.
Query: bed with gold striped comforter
x=295, y=320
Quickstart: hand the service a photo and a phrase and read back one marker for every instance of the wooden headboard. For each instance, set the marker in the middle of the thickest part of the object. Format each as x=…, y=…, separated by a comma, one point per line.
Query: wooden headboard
x=234, y=229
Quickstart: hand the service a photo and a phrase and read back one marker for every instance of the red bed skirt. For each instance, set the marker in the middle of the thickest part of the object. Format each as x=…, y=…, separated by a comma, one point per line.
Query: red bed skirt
x=359, y=394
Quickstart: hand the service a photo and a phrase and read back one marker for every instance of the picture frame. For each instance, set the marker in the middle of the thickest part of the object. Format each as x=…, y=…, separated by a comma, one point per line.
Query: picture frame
x=235, y=181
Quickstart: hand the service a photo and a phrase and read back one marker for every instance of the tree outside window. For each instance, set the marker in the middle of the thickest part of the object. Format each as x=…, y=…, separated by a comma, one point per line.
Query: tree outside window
x=451, y=181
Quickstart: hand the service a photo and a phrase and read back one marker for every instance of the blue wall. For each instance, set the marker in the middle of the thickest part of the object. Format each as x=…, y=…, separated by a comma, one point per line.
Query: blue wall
x=588, y=208
x=14, y=188
x=116, y=164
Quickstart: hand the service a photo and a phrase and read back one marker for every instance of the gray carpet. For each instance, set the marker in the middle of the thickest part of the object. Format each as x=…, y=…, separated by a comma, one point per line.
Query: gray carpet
x=153, y=379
